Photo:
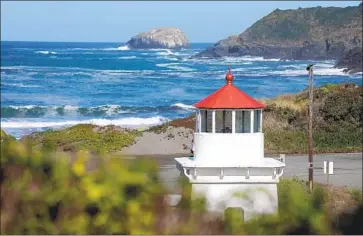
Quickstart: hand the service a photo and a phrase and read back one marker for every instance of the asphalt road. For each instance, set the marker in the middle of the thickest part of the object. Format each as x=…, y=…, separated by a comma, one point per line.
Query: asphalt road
x=347, y=169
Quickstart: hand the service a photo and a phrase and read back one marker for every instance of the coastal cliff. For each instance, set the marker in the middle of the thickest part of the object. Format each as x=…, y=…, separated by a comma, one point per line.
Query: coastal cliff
x=351, y=61
x=170, y=38
x=315, y=33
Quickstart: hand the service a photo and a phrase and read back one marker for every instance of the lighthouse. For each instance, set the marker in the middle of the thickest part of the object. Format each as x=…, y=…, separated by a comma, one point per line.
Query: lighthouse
x=229, y=168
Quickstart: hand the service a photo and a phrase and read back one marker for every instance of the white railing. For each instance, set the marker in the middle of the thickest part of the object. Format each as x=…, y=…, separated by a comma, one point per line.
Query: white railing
x=222, y=172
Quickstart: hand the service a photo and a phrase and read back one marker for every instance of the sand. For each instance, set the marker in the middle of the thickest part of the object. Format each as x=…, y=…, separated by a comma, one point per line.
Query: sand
x=173, y=140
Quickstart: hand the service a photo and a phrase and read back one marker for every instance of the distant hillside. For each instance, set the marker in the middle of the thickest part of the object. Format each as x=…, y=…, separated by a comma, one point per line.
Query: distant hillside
x=306, y=33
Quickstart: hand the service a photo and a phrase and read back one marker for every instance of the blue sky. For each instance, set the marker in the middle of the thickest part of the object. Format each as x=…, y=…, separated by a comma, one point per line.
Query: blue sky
x=118, y=21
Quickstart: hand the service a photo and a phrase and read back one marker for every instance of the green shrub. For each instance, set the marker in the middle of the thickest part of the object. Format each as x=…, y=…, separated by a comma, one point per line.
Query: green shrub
x=96, y=139
x=356, y=195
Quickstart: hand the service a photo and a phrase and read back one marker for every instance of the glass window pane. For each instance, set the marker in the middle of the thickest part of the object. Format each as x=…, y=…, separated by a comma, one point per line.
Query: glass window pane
x=257, y=119
x=246, y=116
x=239, y=122
x=243, y=122
x=209, y=121
x=203, y=114
x=228, y=122
x=219, y=121
x=223, y=121
x=197, y=120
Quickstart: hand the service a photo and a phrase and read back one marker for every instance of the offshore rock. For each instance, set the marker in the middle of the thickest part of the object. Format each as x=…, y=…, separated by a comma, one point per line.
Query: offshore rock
x=169, y=38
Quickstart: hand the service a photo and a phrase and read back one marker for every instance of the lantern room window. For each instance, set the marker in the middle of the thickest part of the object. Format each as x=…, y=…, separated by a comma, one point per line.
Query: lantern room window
x=206, y=117
x=243, y=121
x=229, y=121
x=257, y=121
x=223, y=121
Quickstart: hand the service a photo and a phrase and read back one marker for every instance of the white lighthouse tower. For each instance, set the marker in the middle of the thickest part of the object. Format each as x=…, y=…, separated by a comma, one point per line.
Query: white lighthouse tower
x=229, y=168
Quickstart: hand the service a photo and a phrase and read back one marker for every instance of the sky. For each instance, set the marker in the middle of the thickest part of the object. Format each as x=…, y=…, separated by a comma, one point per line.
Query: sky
x=103, y=21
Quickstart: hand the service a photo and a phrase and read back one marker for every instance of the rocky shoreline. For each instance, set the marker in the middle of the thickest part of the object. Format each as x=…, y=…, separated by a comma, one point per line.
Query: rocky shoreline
x=351, y=62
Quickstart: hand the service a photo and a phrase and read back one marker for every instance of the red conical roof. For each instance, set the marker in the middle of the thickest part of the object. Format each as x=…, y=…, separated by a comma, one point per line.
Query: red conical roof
x=229, y=97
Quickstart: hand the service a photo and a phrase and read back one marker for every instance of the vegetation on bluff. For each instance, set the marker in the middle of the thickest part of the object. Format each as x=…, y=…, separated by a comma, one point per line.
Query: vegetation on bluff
x=46, y=193
x=98, y=140
x=315, y=23
x=337, y=120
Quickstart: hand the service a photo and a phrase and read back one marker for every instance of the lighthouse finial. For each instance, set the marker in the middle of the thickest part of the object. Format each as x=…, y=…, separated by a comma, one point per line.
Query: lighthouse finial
x=229, y=76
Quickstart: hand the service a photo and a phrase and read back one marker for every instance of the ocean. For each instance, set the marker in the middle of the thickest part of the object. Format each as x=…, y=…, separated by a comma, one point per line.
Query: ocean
x=55, y=85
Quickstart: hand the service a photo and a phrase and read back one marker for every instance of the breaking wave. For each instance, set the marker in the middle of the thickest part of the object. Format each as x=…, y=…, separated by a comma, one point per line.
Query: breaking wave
x=124, y=122
x=20, y=85
x=167, y=52
x=175, y=66
x=120, y=48
x=45, y=52
x=127, y=57
x=33, y=111
x=183, y=106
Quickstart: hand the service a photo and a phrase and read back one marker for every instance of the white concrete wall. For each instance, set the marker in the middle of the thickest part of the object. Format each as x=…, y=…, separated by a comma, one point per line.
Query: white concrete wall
x=226, y=148
x=254, y=199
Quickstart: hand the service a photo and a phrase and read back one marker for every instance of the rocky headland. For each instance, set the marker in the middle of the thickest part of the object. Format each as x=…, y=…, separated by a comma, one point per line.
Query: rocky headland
x=169, y=38
x=315, y=33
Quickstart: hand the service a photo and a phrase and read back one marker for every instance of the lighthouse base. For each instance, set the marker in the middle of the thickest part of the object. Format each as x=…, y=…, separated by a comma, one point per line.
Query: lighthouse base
x=251, y=188
x=252, y=198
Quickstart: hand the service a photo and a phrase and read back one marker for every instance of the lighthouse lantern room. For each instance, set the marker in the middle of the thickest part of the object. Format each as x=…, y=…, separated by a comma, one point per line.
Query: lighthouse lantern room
x=229, y=154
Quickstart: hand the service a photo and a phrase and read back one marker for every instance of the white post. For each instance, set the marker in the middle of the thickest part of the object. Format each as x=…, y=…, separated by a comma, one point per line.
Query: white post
x=328, y=169
x=261, y=121
x=199, y=120
x=252, y=116
x=233, y=121
x=213, y=121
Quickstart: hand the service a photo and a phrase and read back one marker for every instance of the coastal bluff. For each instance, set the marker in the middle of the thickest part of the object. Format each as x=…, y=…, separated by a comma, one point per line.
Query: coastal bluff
x=169, y=38
x=351, y=61
x=316, y=33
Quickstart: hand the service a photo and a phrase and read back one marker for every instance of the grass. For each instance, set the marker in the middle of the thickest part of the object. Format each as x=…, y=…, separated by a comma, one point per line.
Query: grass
x=98, y=140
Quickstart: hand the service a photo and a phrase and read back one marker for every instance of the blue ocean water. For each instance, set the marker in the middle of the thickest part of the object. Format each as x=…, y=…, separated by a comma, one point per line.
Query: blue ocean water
x=53, y=85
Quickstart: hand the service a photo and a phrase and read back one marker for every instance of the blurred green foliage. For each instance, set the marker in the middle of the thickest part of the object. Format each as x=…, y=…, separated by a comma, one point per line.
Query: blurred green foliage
x=48, y=193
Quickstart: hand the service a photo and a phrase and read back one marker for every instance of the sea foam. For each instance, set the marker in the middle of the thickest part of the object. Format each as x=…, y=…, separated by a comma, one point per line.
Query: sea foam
x=45, y=52
x=183, y=106
x=131, y=122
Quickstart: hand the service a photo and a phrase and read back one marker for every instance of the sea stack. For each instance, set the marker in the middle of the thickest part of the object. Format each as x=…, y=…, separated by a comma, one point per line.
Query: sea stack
x=169, y=38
